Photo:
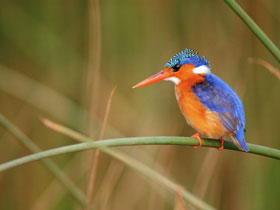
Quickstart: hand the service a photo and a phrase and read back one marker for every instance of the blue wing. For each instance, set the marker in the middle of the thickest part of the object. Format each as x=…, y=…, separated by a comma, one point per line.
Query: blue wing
x=215, y=94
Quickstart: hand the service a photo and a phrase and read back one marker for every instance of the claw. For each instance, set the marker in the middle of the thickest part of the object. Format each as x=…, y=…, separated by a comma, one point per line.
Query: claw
x=197, y=137
x=222, y=144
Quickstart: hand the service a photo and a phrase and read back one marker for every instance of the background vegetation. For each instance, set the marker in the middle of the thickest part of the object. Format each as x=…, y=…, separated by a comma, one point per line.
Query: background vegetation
x=48, y=68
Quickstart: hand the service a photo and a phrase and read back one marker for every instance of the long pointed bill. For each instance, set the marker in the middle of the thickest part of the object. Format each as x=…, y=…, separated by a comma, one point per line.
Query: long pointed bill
x=153, y=79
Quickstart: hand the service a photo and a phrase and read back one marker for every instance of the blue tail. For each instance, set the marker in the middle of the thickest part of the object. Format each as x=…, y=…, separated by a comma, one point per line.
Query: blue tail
x=239, y=136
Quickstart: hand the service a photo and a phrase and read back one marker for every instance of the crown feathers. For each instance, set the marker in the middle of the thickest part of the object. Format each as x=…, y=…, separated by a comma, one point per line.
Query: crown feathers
x=187, y=56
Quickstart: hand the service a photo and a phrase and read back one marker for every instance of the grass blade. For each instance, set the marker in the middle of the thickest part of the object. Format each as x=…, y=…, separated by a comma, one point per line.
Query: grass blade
x=54, y=169
x=254, y=28
x=97, y=153
x=102, y=145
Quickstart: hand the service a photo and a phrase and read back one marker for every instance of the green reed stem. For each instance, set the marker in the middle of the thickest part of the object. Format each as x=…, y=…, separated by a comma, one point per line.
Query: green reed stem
x=137, y=165
x=104, y=144
x=54, y=169
x=254, y=28
x=157, y=177
x=164, y=140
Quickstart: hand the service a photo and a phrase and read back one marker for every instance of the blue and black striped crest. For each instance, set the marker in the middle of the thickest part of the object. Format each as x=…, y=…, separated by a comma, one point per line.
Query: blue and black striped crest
x=187, y=56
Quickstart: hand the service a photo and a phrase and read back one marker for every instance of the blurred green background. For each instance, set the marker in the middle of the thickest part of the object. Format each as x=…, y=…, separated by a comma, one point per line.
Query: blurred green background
x=46, y=65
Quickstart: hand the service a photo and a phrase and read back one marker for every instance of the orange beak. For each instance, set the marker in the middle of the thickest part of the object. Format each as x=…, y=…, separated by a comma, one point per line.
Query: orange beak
x=153, y=79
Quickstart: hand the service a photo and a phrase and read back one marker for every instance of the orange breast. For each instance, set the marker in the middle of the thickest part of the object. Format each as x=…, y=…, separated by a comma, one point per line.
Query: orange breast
x=196, y=114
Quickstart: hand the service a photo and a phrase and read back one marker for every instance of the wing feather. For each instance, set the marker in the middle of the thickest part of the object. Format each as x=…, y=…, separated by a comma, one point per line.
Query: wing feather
x=219, y=97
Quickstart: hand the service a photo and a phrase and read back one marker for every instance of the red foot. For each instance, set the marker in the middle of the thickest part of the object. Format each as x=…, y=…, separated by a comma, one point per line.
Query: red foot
x=222, y=144
x=197, y=136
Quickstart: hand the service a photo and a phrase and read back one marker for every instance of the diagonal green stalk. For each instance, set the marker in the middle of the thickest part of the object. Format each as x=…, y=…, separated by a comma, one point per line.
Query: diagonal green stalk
x=54, y=169
x=157, y=177
x=137, y=165
x=45, y=99
x=254, y=28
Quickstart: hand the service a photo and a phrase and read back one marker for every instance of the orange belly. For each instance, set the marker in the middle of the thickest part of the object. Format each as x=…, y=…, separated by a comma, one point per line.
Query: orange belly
x=197, y=115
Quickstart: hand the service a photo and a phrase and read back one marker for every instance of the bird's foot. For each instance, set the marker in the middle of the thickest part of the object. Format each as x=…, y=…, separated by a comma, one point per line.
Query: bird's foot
x=222, y=144
x=197, y=137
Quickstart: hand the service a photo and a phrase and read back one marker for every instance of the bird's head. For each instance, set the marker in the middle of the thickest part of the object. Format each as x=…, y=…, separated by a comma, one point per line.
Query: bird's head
x=185, y=66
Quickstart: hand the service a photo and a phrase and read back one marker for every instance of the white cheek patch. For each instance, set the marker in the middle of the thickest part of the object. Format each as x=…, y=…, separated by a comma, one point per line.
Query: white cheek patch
x=175, y=80
x=201, y=70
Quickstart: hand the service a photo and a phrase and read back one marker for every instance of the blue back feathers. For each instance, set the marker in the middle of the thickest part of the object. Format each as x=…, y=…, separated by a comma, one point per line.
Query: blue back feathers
x=219, y=97
x=187, y=56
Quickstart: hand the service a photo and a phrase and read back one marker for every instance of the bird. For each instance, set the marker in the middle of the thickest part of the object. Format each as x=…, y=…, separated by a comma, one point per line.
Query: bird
x=208, y=104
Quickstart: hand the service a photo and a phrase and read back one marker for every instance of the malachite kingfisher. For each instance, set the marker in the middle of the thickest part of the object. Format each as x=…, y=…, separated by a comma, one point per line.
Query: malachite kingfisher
x=208, y=104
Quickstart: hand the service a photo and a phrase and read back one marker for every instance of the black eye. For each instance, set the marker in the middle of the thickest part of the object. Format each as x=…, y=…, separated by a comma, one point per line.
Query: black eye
x=176, y=67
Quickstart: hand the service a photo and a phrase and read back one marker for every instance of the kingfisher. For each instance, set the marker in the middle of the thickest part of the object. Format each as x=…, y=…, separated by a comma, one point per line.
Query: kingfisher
x=208, y=104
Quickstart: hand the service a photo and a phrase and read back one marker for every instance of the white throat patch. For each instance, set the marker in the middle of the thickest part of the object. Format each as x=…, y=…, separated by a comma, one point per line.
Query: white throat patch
x=201, y=70
x=175, y=80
